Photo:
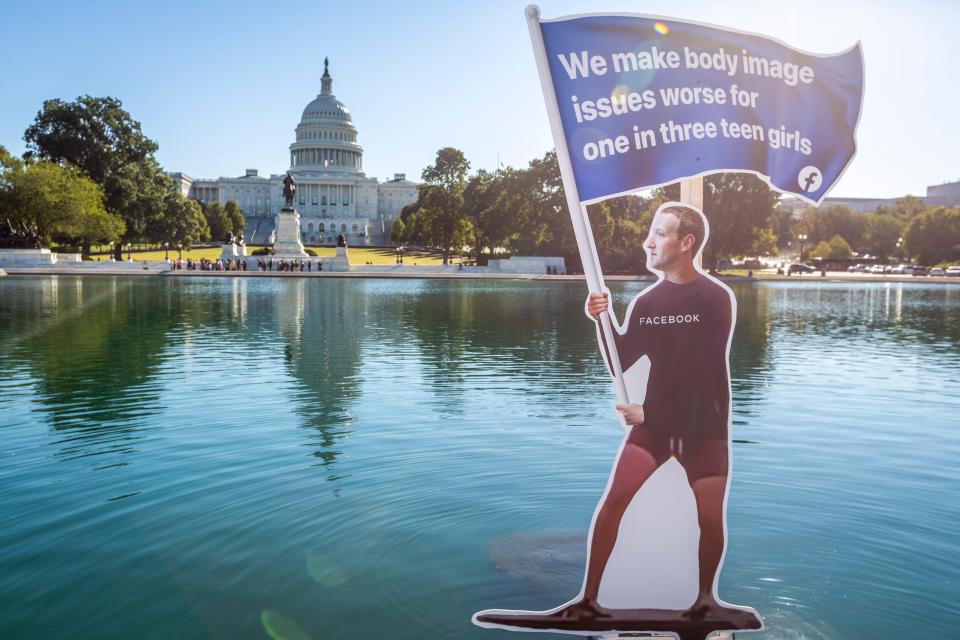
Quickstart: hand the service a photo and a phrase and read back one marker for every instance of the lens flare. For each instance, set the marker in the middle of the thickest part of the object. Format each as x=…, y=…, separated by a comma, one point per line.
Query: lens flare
x=661, y=28
x=620, y=92
x=280, y=627
x=324, y=571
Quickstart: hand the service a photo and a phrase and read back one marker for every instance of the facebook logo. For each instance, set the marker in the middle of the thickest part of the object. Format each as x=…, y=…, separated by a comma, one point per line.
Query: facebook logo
x=810, y=179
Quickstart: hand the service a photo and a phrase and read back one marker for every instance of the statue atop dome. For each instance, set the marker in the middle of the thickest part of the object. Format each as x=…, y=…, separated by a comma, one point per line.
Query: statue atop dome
x=326, y=82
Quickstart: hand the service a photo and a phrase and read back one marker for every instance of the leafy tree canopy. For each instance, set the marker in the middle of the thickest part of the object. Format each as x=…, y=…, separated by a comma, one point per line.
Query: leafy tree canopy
x=238, y=223
x=218, y=222
x=95, y=134
x=934, y=236
x=61, y=204
x=837, y=247
x=441, y=201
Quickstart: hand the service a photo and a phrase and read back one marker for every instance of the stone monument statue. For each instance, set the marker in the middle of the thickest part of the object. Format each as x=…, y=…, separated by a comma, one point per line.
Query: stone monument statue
x=25, y=237
x=286, y=242
x=289, y=190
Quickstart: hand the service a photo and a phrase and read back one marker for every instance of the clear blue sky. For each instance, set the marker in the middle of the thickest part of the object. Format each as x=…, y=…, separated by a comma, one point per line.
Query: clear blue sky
x=221, y=85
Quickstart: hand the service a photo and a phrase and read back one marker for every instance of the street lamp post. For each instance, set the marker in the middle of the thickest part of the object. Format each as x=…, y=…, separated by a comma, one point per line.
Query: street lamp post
x=899, y=249
x=802, y=238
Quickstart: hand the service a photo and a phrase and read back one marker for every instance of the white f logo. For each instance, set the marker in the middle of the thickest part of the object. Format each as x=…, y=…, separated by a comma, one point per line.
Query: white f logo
x=810, y=178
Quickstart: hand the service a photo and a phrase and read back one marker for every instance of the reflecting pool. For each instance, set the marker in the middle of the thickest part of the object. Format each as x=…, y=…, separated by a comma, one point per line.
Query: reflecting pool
x=346, y=458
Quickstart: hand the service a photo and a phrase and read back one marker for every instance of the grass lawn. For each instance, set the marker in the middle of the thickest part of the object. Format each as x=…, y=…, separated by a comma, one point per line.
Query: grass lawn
x=358, y=255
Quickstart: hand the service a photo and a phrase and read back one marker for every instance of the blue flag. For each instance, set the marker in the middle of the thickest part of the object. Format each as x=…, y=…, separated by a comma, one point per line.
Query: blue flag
x=647, y=101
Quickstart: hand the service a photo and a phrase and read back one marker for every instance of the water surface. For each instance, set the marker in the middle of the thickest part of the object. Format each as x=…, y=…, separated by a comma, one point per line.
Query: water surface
x=206, y=458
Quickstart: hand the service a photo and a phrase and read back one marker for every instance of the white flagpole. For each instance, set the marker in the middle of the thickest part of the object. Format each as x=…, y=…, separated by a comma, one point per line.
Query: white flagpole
x=578, y=212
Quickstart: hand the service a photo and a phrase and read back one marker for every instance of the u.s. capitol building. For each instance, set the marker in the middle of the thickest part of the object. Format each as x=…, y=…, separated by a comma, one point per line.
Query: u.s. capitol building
x=333, y=194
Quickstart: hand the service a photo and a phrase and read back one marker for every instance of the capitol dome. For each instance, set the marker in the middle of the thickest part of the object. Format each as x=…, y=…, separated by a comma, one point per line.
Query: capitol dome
x=326, y=139
x=325, y=106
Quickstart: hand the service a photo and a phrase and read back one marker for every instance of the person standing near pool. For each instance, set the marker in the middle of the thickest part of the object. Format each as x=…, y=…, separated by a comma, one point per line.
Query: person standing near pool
x=683, y=324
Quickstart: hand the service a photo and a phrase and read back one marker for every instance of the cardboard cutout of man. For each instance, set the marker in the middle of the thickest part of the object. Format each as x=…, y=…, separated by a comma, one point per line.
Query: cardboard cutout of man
x=683, y=324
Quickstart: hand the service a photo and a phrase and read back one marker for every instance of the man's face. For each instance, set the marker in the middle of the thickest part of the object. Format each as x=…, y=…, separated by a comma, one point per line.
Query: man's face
x=663, y=246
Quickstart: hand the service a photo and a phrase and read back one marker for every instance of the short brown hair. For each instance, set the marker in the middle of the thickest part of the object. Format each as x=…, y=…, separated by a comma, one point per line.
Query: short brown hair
x=691, y=223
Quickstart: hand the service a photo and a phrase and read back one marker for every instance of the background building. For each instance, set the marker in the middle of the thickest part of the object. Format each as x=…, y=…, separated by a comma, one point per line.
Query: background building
x=940, y=195
x=334, y=196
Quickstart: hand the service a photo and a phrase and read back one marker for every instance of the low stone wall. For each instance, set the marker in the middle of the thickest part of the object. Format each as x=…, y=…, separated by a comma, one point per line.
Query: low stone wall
x=529, y=264
x=82, y=266
x=21, y=258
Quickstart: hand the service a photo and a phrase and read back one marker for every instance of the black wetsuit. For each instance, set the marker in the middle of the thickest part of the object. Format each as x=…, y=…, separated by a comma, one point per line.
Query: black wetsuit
x=683, y=329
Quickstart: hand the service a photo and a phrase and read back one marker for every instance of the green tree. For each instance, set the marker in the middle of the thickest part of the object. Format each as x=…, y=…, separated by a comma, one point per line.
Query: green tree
x=182, y=223
x=765, y=243
x=839, y=220
x=144, y=200
x=781, y=223
x=61, y=203
x=837, y=247
x=539, y=218
x=881, y=235
x=480, y=198
x=830, y=220
x=238, y=223
x=441, y=201
x=812, y=224
x=905, y=209
x=736, y=206
x=102, y=139
x=822, y=250
x=411, y=232
x=619, y=228
x=934, y=236
x=10, y=165
x=397, y=230
x=218, y=222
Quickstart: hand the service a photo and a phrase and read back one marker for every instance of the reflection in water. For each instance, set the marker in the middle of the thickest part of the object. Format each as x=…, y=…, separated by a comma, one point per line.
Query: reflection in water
x=92, y=351
x=505, y=335
x=323, y=328
x=749, y=353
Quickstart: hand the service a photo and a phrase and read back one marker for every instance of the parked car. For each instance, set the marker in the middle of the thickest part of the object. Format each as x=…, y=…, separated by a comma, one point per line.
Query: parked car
x=800, y=268
x=877, y=268
x=936, y=271
x=953, y=270
x=901, y=269
x=919, y=271
x=858, y=268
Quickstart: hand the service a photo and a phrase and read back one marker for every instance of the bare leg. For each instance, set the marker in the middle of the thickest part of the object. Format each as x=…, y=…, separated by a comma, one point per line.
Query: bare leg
x=634, y=466
x=709, y=493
